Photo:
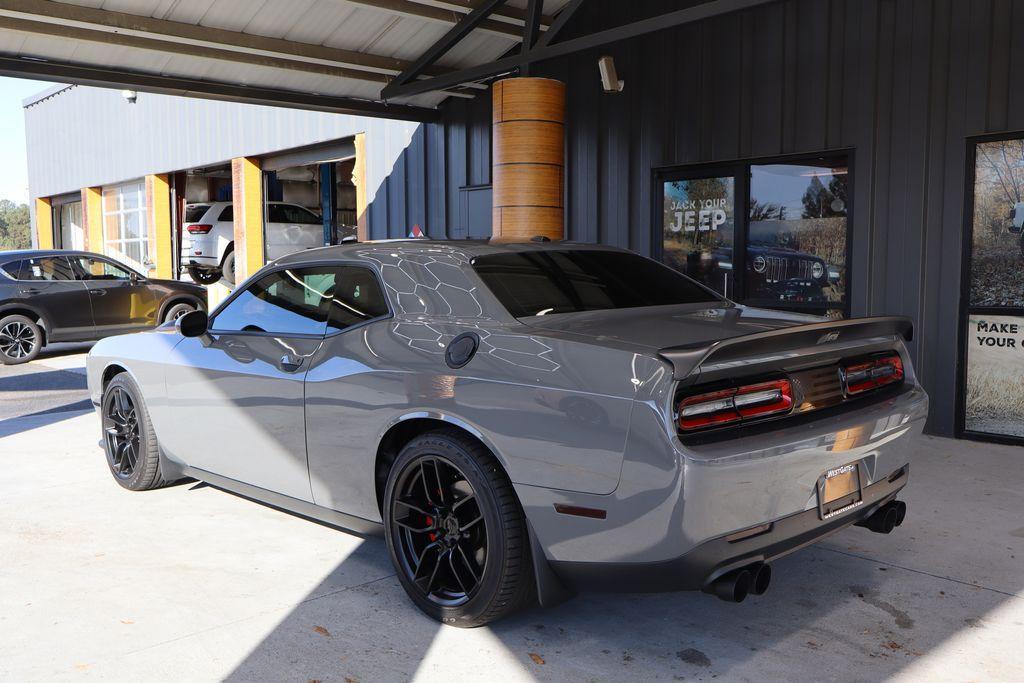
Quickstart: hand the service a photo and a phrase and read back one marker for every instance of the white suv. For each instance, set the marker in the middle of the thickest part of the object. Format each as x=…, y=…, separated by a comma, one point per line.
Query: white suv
x=208, y=240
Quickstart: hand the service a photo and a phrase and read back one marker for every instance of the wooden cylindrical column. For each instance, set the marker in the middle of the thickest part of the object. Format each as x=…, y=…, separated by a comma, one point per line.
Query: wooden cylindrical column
x=528, y=159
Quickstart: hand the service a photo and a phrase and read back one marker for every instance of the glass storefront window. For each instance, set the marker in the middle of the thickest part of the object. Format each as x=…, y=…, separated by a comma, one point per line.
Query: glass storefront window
x=992, y=321
x=124, y=224
x=796, y=237
x=772, y=235
x=698, y=222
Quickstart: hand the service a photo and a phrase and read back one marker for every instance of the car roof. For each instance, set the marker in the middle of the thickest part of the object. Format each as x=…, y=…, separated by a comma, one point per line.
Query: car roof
x=467, y=249
x=6, y=256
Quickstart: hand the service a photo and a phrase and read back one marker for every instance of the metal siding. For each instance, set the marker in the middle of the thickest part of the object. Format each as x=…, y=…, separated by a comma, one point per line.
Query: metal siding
x=901, y=82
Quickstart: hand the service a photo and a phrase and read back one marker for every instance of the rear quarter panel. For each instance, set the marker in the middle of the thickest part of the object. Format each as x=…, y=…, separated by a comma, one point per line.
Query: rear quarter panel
x=555, y=412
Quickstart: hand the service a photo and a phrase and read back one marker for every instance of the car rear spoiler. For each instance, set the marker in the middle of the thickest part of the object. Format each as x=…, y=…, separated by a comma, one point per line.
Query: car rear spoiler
x=785, y=348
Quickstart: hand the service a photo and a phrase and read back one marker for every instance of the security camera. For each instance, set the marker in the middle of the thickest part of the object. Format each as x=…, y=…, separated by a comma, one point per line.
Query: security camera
x=609, y=79
x=130, y=96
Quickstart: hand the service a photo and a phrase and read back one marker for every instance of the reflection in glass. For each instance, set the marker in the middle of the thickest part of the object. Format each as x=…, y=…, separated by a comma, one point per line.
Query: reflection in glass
x=796, y=240
x=697, y=229
x=997, y=238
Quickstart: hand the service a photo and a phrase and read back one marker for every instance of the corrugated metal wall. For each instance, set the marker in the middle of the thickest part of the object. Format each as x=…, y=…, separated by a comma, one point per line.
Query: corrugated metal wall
x=901, y=82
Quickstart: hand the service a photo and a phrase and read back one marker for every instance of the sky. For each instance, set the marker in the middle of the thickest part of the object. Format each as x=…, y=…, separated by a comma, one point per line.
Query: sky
x=14, y=166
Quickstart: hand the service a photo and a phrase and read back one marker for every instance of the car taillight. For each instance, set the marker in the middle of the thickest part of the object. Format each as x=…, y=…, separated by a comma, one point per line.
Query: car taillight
x=735, y=404
x=199, y=229
x=862, y=376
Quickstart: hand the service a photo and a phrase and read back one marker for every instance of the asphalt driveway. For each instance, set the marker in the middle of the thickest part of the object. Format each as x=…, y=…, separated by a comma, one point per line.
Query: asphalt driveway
x=190, y=582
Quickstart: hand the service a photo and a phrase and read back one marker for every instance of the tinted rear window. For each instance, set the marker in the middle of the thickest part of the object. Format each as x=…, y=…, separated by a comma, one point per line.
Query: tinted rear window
x=12, y=268
x=195, y=212
x=549, y=282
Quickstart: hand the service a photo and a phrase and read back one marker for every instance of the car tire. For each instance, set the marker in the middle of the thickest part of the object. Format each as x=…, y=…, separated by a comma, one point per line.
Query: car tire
x=462, y=554
x=203, y=276
x=20, y=339
x=128, y=439
x=177, y=310
x=227, y=268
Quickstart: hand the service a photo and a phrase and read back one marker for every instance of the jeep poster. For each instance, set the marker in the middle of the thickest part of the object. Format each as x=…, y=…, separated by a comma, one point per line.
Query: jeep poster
x=994, y=403
x=994, y=336
x=698, y=223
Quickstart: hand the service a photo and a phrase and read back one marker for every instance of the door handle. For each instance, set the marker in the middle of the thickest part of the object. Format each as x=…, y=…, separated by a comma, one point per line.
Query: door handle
x=290, y=362
x=29, y=291
x=98, y=292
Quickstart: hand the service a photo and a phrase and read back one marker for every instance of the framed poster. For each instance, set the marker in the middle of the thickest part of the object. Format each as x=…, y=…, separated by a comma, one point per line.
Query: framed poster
x=991, y=378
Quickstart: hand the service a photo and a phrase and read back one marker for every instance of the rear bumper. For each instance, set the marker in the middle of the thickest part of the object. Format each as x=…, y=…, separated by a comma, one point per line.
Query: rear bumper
x=700, y=566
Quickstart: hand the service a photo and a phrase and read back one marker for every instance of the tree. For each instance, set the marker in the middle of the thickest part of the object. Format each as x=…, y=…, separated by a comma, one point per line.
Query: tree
x=15, y=226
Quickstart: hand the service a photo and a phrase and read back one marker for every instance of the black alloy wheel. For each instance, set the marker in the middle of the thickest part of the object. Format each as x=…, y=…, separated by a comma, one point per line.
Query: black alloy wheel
x=133, y=454
x=456, y=532
x=20, y=339
x=442, y=535
x=121, y=431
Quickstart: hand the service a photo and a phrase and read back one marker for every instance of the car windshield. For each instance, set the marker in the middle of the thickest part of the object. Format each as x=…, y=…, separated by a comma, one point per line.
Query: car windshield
x=531, y=283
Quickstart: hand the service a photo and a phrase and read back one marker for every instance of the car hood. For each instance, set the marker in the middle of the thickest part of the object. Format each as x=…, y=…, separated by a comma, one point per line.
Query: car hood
x=659, y=327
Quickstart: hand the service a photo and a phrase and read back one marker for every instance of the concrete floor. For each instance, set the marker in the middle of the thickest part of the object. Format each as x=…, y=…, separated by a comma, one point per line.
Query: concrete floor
x=193, y=583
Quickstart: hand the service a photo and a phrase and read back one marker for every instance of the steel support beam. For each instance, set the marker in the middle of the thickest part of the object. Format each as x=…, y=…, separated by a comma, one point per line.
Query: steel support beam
x=559, y=23
x=507, y=22
x=689, y=15
x=131, y=29
x=530, y=31
x=65, y=72
x=447, y=41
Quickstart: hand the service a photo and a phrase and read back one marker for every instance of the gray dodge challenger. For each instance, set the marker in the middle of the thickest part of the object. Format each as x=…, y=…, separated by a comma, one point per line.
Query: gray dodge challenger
x=522, y=421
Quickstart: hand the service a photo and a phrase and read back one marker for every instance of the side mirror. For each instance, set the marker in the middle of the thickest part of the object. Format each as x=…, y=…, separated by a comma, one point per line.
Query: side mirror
x=193, y=324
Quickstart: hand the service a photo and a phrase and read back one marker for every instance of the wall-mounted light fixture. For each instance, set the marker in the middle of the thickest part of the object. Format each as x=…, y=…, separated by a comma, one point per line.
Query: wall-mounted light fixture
x=130, y=96
x=609, y=78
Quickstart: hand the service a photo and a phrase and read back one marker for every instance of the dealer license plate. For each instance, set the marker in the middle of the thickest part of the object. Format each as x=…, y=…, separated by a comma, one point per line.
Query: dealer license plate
x=839, y=490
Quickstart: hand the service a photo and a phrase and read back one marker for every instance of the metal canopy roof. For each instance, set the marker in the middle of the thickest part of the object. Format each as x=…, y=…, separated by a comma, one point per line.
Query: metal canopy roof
x=333, y=55
x=388, y=58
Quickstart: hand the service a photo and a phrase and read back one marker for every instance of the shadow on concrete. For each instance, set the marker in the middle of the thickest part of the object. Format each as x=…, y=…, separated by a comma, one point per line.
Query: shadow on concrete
x=46, y=380
x=42, y=418
x=856, y=606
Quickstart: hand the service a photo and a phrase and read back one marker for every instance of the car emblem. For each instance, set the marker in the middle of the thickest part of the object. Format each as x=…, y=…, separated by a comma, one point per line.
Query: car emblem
x=829, y=337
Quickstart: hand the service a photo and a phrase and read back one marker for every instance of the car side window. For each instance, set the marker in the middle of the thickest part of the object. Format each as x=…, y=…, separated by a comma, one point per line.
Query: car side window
x=276, y=214
x=297, y=214
x=12, y=268
x=88, y=268
x=357, y=298
x=47, y=268
x=289, y=301
x=227, y=214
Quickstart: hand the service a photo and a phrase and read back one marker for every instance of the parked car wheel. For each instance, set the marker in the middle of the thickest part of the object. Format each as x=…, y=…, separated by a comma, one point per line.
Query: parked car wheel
x=178, y=310
x=20, y=339
x=228, y=267
x=203, y=276
x=128, y=437
x=455, y=531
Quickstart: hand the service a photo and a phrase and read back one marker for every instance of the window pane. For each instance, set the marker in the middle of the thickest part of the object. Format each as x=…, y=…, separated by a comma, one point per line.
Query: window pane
x=997, y=226
x=132, y=226
x=285, y=302
x=195, y=212
x=47, y=269
x=796, y=239
x=12, y=268
x=228, y=214
x=297, y=214
x=87, y=268
x=550, y=282
x=698, y=223
x=357, y=298
x=277, y=214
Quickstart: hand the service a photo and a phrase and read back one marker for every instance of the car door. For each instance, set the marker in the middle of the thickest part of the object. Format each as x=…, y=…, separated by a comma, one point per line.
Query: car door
x=292, y=228
x=48, y=284
x=236, y=392
x=122, y=300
